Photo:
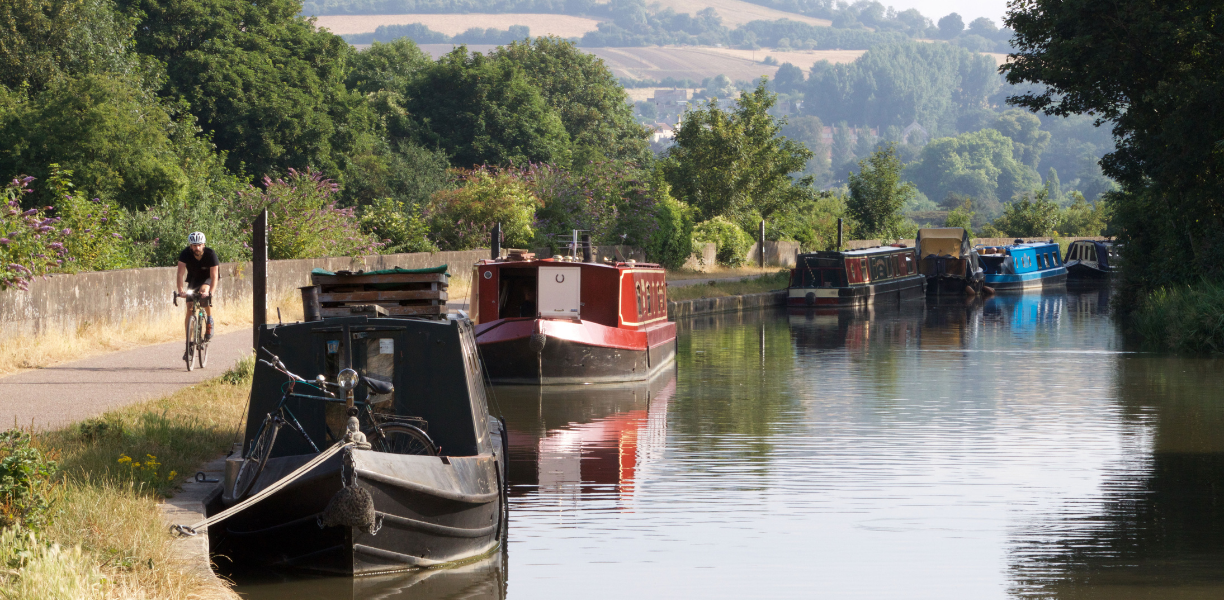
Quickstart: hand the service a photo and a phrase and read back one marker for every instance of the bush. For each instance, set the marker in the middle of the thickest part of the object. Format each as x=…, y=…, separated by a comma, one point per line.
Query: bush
x=671, y=242
x=961, y=216
x=1183, y=318
x=26, y=482
x=31, y=243
x=398, y=225
x=303, y=220
x=810, y=219
x=94, y=241
x=1031, y=215
x=586, y=202
x=461, y=219
x=732, y=243
x=1083, y=219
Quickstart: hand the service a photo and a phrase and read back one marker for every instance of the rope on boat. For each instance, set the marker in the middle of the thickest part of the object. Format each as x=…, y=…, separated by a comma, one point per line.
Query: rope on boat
x=268, y=491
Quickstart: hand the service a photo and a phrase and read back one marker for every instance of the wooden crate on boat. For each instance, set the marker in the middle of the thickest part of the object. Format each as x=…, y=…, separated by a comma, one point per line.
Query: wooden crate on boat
x=399, y=294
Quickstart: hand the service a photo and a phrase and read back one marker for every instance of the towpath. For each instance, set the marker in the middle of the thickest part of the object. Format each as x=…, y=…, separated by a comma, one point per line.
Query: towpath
x=699, y=281
x=66, y=393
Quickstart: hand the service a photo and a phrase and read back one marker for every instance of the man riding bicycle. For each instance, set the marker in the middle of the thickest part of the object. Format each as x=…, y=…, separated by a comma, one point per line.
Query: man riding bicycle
x=201, y=269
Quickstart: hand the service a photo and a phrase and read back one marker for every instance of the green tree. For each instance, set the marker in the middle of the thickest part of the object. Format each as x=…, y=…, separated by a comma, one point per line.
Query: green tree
x=731, y=242
x=1030, y=215
x=1024, y=130
x=809, y=131
x=877, y=194
x=961, y=216
x=485, y=110
x=1084, y=219
x=979, y=165
x=842, y=150
x=462, y=218
x=398, y=225
x=788, y=79
x=731, y=162
x=42, y=40
x=1054, y=187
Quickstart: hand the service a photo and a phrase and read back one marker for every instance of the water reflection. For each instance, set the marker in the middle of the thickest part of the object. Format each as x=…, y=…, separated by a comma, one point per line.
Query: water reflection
x=483, y=579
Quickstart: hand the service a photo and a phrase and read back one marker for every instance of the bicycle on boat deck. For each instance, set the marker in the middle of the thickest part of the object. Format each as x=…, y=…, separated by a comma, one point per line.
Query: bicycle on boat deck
x=197, y=324
x=394, y=434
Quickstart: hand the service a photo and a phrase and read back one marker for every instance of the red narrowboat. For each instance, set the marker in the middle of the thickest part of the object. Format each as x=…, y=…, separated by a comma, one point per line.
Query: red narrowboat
x=563, y=321
x=855, y=277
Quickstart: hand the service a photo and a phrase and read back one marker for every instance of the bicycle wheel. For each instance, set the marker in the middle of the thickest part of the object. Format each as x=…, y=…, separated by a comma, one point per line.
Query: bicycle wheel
x=191, y=342
x=202, y=353
x=256, y=459
x=402, y=438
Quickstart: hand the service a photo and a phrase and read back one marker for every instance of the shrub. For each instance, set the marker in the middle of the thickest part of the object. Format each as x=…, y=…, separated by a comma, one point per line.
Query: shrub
x=1030, y=215
x=670, y=243
x=462, y=218
x=303, y=220
x=398, y=225
x=26, y=482
x=732, y=243
x=586, y=202
x=1083, y=219
x=1182, y=318
x=961, y=216
x=31, y=243
x=810, y=219
x=93, y=241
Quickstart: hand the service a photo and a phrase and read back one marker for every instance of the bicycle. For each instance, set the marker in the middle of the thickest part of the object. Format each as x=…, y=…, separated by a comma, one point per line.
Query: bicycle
x=197, y=344
x=393, y=434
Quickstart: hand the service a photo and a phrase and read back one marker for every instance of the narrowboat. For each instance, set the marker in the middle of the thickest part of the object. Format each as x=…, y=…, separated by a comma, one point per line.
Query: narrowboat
x=370, y=447
x=1022, y=266
x=1089, y=260
x=855, y=277
x=951, y=265
x=570, y=320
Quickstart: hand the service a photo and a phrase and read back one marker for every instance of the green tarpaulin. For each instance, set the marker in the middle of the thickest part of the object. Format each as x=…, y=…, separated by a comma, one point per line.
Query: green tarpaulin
x=395, y=271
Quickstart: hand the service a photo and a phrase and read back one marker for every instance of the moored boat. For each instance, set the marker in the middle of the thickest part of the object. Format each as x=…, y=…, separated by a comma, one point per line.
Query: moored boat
x=855, y=277
x=409, y=466
x=1022, y=265
x=951, y=265
x=568, y=321
x=1089, y=260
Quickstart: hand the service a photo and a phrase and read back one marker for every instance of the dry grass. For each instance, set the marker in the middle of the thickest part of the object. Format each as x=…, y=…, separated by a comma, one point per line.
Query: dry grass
x=737, y=12
x=565, y=26
x=45, y=350
x=746, y=285
x=719, y=272
x=106, y=515
x=699, y=62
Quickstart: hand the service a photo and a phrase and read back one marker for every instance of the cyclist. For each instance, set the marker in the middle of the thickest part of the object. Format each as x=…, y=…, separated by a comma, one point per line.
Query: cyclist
x=201, y=268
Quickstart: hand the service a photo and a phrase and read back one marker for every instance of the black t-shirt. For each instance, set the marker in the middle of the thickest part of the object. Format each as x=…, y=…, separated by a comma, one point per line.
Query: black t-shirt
x=198, y=269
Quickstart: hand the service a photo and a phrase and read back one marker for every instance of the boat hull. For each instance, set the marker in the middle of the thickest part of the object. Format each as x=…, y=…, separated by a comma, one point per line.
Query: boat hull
x=1028, y=281
x=545, y=352
x=429, y=511
x=1078, y=271
x=952, y=285
x=898, y=290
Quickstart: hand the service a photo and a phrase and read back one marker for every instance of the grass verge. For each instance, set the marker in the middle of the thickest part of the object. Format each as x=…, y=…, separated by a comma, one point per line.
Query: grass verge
x=1182, y=319
x=716, y=289
x=105, y=537
x=719, y=272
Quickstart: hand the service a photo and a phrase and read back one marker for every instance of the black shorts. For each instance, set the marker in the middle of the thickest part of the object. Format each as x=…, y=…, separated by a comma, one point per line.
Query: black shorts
x=195, y=285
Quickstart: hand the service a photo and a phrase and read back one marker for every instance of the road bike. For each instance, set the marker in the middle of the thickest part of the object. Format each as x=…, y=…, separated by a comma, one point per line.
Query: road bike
x=197, y=325
x=394, y=434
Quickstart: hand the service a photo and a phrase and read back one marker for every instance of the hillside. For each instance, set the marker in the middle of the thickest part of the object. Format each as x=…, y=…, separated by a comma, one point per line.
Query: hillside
x=735, y=12
x=565, y=26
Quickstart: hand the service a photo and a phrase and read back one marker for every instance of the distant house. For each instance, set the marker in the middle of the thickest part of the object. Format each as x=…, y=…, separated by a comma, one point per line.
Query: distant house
x=662, y=133
x=914, y=128
x=673, y=97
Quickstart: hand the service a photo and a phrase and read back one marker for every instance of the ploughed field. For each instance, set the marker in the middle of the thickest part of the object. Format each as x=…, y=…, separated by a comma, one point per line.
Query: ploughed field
x=1012, y=447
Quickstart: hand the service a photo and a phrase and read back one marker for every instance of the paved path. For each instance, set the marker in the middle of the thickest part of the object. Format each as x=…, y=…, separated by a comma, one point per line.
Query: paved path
x=70, y=392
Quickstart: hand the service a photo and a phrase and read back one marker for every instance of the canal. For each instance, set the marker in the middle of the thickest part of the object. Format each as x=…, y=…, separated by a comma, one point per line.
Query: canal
x=1006, y=448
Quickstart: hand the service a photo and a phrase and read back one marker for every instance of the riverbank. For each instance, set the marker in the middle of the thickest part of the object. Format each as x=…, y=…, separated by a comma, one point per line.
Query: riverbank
x=771, y=279
x=1182, y=319
x=104, y=536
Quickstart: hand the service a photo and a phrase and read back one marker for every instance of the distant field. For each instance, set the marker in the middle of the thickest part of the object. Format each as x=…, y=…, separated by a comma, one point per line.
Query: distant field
x=736, y=12
x=541, y=24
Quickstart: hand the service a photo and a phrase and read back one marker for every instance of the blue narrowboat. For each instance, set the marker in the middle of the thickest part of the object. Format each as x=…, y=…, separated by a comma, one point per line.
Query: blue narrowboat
x=1022, y=266
x=1089, y=260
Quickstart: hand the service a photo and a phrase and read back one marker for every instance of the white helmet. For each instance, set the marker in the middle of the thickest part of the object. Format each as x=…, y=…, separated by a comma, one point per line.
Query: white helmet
x=196, y=238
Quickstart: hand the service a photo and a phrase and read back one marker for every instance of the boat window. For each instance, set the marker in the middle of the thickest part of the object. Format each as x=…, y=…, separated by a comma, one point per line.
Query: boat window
x=1041, y=261
x=649, y=304
x=1089, y=252
x=909, y=264
x=516, y=298
x=640, y=308
x=379, y=364
x=662, y=297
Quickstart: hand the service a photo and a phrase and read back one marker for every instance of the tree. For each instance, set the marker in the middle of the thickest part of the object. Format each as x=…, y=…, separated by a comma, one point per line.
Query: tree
x=42, y=40
x=961, y=216
x=1024, y=130
x=461, y=218
x=979, y=165
x=842, y=151
x=809, y=131
x=984, y=27
x=788, y=79
x=877, y=195
x=951, y=26
x=1030, y=215
x=730, y=162
x=1053, y=186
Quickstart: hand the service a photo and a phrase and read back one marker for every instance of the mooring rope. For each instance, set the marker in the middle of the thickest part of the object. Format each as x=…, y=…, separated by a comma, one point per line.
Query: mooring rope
x=268, y=491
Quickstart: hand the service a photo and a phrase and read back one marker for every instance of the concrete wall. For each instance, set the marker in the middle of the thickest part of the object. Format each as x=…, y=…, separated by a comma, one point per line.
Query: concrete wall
x=63, y=303
x=777, y=254
x=726, y=304
x=703, y=261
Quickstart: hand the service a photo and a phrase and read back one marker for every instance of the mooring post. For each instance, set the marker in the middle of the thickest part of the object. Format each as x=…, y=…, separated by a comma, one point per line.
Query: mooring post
x=839, y=234
x=761, y=244
x=586, y=247
x=259, y=275
x=495, y=242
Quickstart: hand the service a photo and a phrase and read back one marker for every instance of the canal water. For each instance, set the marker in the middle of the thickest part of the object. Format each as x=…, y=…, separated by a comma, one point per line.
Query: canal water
x=1006, y=448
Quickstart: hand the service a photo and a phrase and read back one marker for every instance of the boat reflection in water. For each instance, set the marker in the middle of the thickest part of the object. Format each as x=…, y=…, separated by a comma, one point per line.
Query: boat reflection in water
x=567, y=442
x=856, y=329
x=1026, y=312
x=482, y=579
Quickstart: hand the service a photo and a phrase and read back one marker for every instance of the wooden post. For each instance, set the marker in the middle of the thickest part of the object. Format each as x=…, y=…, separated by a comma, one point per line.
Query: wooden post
x=495, y=242
x=586, y=247
x=839, y=235
x=259, y=275
x=761, y=245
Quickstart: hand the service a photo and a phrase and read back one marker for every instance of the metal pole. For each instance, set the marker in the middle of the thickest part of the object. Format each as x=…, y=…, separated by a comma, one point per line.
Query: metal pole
x=839, y=234
x=259, y=275
x=495, y=243
x=586, y=247
x=761, y=244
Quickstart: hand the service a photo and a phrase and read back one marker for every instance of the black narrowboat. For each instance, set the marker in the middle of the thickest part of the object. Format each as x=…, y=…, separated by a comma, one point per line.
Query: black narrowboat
x=951, y=265
x=855, y=277
x=1089, y=260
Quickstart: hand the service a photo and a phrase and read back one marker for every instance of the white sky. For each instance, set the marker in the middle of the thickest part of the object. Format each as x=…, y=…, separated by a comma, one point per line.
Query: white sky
x=967, y=9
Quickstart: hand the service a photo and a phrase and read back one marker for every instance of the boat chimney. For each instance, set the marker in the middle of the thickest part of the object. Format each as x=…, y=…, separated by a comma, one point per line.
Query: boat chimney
x=311, y=309
x=586, y=247
x=839, y=234
x=495, y=241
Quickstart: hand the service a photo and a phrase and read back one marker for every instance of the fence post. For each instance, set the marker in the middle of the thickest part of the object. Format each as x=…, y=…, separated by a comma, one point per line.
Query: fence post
x=259, y=275
x=586, y=247
x=761, y=244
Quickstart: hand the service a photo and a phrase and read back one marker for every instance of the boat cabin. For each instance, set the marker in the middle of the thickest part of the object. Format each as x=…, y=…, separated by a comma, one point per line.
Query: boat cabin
x=948, y=260
x=854, y=276
x=1090, y=259
x=1022, y=265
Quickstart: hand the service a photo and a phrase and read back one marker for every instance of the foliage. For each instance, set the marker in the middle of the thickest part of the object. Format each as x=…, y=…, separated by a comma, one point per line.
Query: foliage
x=1162, y=103
x=93, y=240
x=809, y=131
x=1029, y=215
x=31, y=244
x=727, y=163
x=979, y=165
x=303, y=220
x=810, y=219
x=27, y=481
x=1083, y=219
x=1024, y=130
x=398, y=225
x=670, y=241
x=462, y=218
x=1185, y=318
x=421, y=34
x=877, y=195
x=731, y=241
x=158, y=234
x=961, y=216
x=45, y=40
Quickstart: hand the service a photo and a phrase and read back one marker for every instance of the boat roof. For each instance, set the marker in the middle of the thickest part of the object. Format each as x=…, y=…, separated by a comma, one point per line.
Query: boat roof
x=539, y=262
x=858, y=252
x=954, y=233
x=1019, y=246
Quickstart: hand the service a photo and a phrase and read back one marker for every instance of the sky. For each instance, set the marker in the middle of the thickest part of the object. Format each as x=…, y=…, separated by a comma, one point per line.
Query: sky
x=967, y=9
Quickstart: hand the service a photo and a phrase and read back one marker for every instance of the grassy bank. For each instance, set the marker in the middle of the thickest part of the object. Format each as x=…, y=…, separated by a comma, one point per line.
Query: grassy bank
x=103, y=536
x=747, y=285
x=1182, y=319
